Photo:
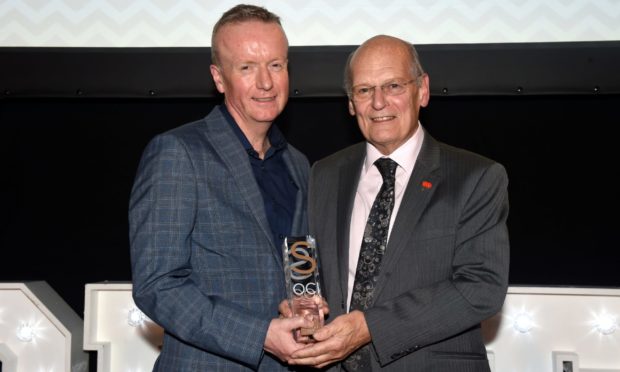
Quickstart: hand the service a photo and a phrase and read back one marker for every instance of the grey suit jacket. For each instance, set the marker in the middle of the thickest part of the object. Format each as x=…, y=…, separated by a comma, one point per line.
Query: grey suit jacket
x=446, y=265
x=204, y=263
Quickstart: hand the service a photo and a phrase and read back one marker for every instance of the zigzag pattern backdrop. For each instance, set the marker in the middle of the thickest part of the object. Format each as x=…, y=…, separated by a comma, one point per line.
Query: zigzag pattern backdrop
x=188, y=23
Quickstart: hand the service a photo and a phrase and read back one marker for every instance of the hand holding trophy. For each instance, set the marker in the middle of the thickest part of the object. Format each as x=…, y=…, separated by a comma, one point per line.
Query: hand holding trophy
x=301, y=268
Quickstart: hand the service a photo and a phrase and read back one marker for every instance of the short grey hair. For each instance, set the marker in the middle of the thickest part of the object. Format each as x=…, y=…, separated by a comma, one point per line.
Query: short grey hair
x=239, y=14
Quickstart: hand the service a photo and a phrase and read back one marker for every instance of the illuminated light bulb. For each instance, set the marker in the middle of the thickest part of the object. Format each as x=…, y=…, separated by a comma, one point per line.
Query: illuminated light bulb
x=523, y=323
x=606, y=324
x=25, y=332
x=135, y=317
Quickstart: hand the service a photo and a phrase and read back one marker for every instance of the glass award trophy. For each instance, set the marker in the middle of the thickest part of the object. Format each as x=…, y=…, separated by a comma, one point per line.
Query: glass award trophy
x=301, y=268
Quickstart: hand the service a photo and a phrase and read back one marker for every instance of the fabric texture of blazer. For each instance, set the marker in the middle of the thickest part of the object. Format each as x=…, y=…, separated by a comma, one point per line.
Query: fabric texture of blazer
x=446, y=264
x=204, y=263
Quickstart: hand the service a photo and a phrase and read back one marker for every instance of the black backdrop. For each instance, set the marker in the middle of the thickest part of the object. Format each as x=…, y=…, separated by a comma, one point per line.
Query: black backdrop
x=70, y=144
x=68, y=168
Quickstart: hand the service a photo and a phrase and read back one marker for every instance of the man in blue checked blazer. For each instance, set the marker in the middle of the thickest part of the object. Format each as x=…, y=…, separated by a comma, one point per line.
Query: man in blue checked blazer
x=210, y=205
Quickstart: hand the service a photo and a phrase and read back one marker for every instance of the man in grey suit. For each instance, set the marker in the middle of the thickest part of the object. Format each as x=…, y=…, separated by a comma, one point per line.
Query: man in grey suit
x=439, y=259
x=211, y=202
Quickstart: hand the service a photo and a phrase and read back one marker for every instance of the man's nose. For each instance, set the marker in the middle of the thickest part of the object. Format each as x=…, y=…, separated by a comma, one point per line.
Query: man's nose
x=263, y=80
x=378, y=98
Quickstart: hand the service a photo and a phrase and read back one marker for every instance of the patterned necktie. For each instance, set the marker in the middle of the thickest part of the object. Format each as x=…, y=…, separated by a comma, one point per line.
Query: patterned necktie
x=371, y=254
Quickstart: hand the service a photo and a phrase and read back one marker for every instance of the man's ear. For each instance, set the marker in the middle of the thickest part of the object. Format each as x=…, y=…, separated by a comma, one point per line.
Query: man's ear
x=351, y=108
x=424, y=91
x=217, y=78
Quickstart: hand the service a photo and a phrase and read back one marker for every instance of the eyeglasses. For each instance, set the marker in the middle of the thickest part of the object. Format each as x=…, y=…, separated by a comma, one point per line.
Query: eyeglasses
x=392, y=88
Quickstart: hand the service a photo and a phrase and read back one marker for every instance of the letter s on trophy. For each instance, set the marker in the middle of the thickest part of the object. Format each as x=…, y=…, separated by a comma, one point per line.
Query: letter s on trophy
x=301, y=268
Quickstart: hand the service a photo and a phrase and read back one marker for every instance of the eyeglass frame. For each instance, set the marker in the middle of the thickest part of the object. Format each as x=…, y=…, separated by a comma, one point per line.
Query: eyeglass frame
x=383, y=88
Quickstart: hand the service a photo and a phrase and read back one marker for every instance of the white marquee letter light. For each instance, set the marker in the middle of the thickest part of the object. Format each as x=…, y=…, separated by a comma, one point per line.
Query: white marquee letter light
x=38, y=330
x=124, y=338
x=536, y=322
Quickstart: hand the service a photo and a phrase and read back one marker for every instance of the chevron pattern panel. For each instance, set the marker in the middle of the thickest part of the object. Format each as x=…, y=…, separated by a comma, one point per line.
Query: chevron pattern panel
x=188, y=23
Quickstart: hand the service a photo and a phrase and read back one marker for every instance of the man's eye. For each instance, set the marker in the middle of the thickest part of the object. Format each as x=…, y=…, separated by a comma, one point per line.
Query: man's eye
x=363, y=90
x=276, y=66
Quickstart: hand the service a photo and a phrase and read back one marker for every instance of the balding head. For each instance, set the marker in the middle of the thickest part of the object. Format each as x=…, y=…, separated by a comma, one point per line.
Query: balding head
x=387, y=45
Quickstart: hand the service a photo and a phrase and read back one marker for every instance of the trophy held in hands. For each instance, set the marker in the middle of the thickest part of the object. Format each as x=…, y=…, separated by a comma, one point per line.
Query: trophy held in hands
x=301, y=267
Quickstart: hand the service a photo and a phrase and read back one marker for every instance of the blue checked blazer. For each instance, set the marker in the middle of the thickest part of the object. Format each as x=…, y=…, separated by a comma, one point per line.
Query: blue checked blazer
x=204, y=263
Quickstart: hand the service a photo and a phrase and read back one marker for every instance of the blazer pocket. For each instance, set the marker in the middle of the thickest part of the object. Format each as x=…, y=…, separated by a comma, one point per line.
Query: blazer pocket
x=458, y=355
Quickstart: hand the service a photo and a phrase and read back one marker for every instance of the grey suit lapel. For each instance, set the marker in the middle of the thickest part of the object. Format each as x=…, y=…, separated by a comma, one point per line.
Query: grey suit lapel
x=424, y=179
x=348, y=177
x=227, y=146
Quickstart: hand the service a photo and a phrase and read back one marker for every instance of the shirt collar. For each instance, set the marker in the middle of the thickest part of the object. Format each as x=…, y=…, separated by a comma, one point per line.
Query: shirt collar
x=276, y=138
x=405, y=155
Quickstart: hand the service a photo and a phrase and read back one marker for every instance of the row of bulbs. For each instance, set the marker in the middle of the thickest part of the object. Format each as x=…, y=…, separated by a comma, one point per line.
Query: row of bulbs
x=604, y=323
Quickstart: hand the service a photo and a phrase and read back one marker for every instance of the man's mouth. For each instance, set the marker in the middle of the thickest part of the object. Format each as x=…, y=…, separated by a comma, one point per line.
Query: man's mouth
x=378, y=119
x=264, y=99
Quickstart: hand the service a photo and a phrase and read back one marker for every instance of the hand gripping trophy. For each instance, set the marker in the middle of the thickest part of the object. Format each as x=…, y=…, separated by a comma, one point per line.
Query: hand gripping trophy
x=301, y=267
